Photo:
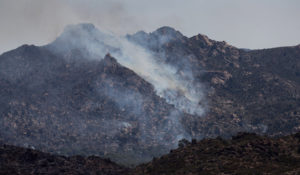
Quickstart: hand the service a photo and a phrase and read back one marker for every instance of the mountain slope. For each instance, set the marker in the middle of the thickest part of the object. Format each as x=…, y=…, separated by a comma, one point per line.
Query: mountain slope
x=82, y=106
x=254, y=91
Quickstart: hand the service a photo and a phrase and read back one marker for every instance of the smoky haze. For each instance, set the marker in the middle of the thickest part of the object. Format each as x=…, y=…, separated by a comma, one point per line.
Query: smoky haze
x=178, y=89
x=246, y=24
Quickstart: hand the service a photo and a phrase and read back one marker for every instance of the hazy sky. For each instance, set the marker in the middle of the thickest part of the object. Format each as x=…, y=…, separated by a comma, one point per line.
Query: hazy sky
x=242, y=23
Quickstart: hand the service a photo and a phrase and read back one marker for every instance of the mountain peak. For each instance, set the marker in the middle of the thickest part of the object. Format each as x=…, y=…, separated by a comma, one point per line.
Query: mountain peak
x=109, y=60
x=167, y=31
x=84, y=37
x=82, y=26
x=82, y=30
x=203, y=40
x=157, y=38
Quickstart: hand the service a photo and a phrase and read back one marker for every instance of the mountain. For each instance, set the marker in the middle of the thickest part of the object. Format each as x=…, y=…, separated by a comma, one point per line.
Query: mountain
x=133, y=98
x=69, y=107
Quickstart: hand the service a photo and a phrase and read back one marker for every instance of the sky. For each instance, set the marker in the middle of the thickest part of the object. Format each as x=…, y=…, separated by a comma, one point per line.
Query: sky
x=253, y=24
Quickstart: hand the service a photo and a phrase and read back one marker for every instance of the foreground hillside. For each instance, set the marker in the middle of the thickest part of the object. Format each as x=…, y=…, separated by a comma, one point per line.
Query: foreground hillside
x=243, y=154
x=17, y=160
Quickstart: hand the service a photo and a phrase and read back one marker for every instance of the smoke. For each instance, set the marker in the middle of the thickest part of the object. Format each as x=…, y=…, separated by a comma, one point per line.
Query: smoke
x=176, y=91
x=176, y=86
x=39, y=22
x=134, y=103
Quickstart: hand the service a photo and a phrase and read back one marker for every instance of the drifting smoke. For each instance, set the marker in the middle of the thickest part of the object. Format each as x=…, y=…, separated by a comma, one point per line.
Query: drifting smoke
x=133, y=102
x=176, y=89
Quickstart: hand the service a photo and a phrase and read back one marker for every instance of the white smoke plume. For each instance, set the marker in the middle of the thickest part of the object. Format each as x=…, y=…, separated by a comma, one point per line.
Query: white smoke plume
x=176, y=90
x=133, y=102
